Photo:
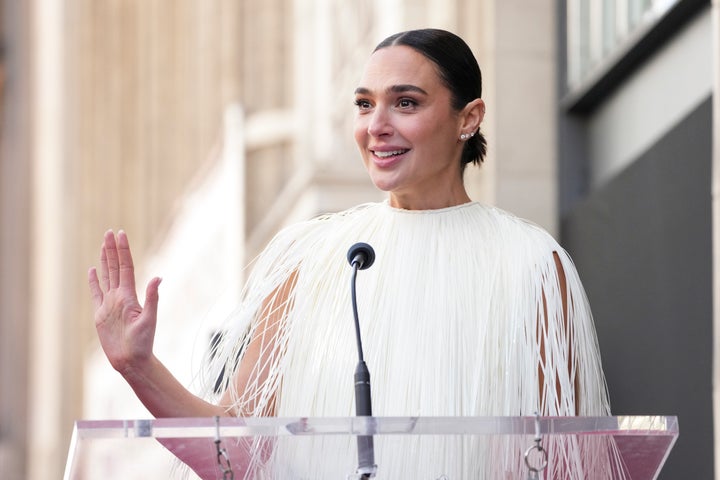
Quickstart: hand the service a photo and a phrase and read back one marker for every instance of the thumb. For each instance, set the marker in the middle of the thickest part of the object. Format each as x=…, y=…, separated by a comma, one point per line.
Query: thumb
x=152, y=296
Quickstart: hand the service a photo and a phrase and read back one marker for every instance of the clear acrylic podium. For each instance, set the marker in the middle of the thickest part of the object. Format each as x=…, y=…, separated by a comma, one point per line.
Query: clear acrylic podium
x=221, y=448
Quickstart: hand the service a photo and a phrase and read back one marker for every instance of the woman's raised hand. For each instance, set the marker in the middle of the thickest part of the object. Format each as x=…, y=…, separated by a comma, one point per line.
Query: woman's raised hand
x=125, y=328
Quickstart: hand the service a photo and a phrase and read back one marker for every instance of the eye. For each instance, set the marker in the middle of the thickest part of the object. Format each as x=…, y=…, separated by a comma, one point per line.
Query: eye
x=362, y=104
x=406, y=103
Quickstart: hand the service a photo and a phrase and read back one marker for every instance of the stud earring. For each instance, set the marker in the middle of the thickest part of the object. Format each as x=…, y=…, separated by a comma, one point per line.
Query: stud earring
x=464, y=136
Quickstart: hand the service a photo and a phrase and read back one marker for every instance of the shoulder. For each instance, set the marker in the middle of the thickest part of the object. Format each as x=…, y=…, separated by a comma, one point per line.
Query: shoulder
x=305, y=233
x=331, y=219
x=515, y=227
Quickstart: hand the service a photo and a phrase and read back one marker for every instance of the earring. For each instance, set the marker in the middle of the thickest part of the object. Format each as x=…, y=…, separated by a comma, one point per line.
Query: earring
x=464, y=136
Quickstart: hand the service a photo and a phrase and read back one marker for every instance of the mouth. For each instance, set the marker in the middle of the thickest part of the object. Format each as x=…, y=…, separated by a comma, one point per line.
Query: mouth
x=389, y=154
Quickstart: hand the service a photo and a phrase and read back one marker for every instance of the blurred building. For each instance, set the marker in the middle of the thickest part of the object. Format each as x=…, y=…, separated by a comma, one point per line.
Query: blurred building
x=201, y=128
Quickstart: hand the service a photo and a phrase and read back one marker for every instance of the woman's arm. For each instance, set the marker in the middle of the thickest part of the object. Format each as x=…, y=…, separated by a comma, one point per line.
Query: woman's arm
x=126, y=331
x=254, y=397
x=543, y=329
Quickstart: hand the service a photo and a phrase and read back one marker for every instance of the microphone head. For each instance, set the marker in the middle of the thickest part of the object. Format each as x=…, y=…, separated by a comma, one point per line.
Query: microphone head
x=362, y=254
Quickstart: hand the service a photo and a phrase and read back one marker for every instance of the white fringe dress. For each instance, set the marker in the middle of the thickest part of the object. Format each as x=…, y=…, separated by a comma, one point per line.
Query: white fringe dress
x=462, y=314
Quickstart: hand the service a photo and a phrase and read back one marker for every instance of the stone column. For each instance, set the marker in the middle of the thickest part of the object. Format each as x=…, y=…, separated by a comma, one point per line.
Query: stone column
x=14, y=236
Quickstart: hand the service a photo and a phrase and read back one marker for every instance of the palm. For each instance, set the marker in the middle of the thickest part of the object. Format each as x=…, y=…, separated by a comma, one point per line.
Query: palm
x=125, y=328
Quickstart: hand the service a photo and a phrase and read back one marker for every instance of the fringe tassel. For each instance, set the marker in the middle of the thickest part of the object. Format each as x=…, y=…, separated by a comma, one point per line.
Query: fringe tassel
x=462, y=314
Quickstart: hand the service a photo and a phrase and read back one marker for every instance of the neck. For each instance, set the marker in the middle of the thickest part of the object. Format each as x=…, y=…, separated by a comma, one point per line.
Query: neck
x=429, y=202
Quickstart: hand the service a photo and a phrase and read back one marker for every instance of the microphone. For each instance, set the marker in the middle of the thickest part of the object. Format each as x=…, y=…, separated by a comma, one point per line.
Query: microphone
x=362, y=256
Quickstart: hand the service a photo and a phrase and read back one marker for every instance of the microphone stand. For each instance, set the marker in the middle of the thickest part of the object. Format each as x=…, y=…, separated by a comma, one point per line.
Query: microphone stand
x=363, y=404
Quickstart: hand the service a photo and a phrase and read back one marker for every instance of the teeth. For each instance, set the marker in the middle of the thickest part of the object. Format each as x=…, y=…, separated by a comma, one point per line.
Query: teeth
x=389, y=154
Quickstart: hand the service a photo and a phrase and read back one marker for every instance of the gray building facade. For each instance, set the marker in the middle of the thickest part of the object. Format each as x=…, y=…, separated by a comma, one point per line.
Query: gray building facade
x=635, y=143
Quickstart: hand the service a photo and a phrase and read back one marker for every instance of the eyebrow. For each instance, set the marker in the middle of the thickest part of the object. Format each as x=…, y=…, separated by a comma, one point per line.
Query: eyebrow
x=393, y=89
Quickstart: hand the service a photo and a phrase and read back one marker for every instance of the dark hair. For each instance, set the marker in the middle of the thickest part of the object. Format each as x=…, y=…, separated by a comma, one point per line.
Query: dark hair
x=458, y=69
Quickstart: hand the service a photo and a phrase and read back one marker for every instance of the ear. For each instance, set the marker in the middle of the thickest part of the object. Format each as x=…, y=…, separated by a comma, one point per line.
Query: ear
x=472, y=116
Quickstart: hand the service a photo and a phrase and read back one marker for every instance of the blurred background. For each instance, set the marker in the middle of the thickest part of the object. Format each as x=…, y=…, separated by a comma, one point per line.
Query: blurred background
x=201, y=127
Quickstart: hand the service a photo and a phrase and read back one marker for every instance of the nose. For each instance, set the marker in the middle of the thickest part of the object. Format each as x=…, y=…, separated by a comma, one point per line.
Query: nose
x=380, y=123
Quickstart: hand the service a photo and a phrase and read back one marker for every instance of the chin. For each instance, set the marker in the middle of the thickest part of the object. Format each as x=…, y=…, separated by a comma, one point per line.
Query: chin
x=386, y=181
x=383, y=184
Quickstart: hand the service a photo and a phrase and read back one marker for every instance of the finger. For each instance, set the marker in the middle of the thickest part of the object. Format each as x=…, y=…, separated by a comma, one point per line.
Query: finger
x=152, y=297
x=104, y=267
x=127, y=270
x=96, y=293
x=113, y=265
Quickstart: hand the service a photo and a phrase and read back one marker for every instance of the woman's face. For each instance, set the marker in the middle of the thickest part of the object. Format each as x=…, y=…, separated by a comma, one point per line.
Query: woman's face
x=408, y=132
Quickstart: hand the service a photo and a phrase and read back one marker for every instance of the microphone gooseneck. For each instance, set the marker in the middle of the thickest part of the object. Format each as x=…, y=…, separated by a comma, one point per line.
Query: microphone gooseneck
x=361, y=256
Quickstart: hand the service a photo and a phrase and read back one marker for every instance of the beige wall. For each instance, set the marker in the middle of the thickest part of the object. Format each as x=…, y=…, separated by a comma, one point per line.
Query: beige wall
x=117, y=121
x=123, y=105
x=525, y=91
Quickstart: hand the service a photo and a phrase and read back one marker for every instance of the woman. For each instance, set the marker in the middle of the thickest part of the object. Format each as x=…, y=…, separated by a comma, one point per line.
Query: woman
x=467, y=310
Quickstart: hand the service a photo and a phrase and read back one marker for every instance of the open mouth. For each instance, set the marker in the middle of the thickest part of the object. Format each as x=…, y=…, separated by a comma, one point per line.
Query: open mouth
x=393, y=153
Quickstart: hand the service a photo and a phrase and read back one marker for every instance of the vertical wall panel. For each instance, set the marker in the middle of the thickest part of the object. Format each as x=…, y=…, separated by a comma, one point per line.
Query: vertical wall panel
x=642, y=245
